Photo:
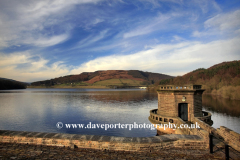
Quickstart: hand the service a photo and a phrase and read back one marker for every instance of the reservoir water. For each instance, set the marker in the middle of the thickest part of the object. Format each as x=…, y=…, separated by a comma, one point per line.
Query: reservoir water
x=39, y=110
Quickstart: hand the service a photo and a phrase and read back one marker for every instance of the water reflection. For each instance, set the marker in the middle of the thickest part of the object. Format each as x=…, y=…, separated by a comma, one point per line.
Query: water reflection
x=40, y=110
x=225, y=112
x=123, y=96
x=221, y=105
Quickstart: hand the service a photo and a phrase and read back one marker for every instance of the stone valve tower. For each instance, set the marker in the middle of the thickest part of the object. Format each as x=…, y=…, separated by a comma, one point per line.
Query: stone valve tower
x=178, y=105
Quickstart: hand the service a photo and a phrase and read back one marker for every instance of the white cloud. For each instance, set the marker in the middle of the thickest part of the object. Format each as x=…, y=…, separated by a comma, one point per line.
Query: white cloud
x=91, y=39
x=57, y=69
x=22, y=22
x=97, y=20
x=154, y=3
x=205, y=33
x=177, y=38
x=158, y=23
x=47, y=41
x=14, y=59
x=36, y=69
x=173, y=59
x=38, y=65
x=225, y=24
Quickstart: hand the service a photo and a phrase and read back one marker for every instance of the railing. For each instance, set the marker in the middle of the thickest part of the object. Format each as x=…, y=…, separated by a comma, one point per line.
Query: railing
x=154, y=111
x=161, y=119
x=173, y=87
x=227, y=150
x=206, y=116
x=153, y=114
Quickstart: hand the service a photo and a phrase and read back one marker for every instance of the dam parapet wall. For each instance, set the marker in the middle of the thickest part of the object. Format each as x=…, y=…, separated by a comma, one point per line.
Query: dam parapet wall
x=141, y=144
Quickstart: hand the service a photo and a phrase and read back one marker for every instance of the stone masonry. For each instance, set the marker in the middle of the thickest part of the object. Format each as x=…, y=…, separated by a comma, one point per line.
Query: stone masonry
x=170, y=96
x=146, y=144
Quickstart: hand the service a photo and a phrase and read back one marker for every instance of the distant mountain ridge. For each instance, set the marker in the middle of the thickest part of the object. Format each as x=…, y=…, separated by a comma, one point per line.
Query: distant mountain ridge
x=93, y=77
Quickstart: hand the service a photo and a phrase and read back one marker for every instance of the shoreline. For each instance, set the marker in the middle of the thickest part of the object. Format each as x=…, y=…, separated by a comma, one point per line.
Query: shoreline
x=86, y=87
x=71, y=87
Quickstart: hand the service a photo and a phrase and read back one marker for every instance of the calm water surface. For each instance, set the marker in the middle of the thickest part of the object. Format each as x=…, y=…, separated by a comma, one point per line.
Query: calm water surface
x=40, y=109
x=225, y=112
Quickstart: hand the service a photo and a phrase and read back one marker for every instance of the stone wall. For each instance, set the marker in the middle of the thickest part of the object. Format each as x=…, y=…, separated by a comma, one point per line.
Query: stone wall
x=201, y=133
x=231, y=137
x=194, y=131
x=166, y=104
x=205, y=126
x=141, y=144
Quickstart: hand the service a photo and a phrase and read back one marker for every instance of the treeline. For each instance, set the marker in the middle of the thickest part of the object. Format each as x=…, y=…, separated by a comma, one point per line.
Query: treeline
x=11, y=84
x=62, y=80
x=222, y=79
x=150, y=78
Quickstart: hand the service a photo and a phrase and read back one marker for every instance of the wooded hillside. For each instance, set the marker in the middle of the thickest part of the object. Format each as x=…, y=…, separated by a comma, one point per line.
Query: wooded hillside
x=221, y=79
x=89, y=78
x=11, y=84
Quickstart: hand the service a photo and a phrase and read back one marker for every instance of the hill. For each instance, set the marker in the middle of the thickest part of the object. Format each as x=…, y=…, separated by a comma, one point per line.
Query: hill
x=11, y=84
x=105, y=78
x=221, y=79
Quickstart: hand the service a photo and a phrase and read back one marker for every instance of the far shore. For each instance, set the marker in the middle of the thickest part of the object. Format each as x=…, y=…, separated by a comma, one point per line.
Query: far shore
x=72, y=87
x=68, y=87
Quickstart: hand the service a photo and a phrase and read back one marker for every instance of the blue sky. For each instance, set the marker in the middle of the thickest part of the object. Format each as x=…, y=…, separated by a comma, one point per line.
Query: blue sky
x=50, y=38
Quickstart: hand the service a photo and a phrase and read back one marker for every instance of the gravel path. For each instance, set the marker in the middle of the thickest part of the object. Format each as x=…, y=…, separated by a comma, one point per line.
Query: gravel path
x=25, y=151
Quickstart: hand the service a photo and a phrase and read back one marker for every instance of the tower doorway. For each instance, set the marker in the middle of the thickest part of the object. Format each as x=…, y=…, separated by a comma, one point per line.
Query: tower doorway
x=183, y=111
